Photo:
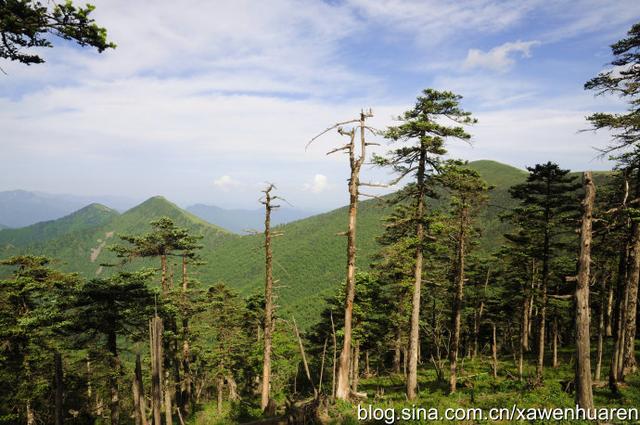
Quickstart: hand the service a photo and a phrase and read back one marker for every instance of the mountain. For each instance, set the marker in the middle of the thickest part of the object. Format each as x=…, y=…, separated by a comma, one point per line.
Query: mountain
x=87, y=218
x=19, y=208
x=309, y=259
x=239, y=220
x=84, y=250
x=2, y=226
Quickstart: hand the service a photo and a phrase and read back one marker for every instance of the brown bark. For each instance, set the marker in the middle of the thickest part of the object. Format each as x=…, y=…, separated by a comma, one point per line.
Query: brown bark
x=601, y=329
x=356, y=367
x=609, y=312
x=457, y=301
x=335, y=358
x=219, y=388
x=268, y=301
x=155, y=342
x=584, y=390
x=139, y=405
x=168, y=403
x=355, y=162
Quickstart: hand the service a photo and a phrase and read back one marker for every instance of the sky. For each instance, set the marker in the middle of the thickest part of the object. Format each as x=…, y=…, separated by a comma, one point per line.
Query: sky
x=204, y=102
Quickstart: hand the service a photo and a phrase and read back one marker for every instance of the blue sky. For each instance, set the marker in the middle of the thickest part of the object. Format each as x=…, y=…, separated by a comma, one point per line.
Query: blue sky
x=206, y=101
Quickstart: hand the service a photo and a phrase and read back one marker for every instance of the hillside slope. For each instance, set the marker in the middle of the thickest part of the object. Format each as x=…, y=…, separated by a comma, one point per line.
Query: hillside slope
x=309, y=259
x=89, y=217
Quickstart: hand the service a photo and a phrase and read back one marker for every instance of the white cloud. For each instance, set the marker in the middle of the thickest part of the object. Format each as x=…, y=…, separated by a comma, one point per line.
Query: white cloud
x=320, y=184
x=500, y=58
x=226, y=183
x=432, y=21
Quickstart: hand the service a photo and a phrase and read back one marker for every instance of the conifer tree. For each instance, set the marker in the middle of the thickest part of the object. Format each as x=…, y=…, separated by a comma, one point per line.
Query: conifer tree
x=622, y=80
x=547, y=200
x=467, y=194
x=424, y=135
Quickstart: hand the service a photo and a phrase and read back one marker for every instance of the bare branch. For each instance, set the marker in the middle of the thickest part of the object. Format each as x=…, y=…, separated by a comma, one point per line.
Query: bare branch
x=337, y=125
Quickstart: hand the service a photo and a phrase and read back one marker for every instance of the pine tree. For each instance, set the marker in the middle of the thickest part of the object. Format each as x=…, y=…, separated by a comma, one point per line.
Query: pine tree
x=547, y=201
x=421, y=158
x=622, y=80
x=467, y=195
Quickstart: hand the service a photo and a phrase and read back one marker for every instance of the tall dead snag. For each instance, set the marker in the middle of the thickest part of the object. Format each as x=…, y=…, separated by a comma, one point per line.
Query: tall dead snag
x=356, y=159
x=584, y=391
x=59, y=413
x=155, y=342
x=267, y=200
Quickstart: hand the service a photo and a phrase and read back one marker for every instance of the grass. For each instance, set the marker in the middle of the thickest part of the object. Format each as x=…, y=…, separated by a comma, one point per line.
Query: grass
x=476, y=389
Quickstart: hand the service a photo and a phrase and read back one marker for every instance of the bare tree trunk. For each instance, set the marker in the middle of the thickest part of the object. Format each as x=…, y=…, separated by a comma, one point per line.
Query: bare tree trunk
x=168, y=405
x=304, y=359
x=456, y=311
x=335, y=358
x=608, y=318
x=601, y=329
x=494, y=351
x=139, y=405
x=405, y=360
x=233, y=388
x=219, y=388
x=155, y=332
x=113, y=379
x=356, y=367
x=59, y=411
x=324, y=352
x=31, y=417
x=584, y=391
x=544, y=298
x=268, y=300
x=414, y=334
x=629, y=364
x=342, y=390
x=367, y=372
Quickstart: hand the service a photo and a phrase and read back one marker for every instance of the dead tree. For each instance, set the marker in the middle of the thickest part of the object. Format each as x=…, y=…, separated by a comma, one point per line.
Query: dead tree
x=356, y=159
x=267, y=200
x=584, y=391
x=155, y=339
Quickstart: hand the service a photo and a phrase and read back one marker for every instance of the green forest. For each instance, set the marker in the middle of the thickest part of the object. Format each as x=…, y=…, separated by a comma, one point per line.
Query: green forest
x=473, y=285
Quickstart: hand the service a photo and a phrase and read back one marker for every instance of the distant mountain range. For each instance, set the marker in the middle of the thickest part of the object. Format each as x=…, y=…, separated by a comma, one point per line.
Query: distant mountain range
x=242, y=221
x=309, y=259
x=19, y=208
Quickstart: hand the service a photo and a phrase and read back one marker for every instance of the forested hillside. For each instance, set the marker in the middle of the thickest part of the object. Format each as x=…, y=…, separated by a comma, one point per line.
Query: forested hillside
x=308, y=255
